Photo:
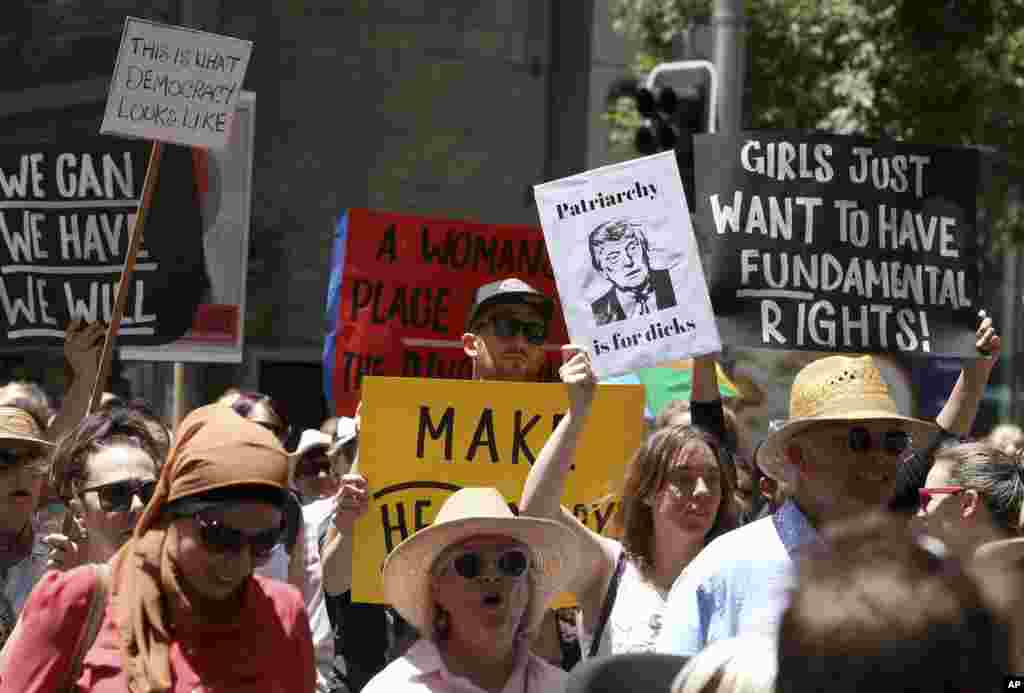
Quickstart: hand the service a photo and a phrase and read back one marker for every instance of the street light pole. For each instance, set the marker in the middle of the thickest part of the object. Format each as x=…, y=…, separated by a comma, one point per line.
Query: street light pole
x=728, y=26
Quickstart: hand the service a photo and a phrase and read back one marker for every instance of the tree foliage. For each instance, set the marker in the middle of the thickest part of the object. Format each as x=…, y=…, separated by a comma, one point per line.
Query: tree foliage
x=936, y=72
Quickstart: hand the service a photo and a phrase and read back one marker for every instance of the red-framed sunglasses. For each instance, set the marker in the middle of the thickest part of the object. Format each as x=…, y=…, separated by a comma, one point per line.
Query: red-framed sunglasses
x=924, y=495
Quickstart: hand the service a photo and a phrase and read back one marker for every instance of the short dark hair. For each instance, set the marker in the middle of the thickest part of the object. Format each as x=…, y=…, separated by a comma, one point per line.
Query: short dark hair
x=245, y=403
x=109, y=426
x=997, y=477
x=878, y=608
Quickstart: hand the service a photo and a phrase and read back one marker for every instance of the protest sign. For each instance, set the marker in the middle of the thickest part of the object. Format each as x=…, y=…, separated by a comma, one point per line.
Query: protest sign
x=224, y=184
x=400, y=290
x=823, y=242
x=175, y=84
x=424, y=439
x=626, y=264
x=66, y=211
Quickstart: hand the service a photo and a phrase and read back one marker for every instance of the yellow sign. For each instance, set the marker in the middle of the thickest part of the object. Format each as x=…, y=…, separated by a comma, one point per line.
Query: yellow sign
x=423, y=439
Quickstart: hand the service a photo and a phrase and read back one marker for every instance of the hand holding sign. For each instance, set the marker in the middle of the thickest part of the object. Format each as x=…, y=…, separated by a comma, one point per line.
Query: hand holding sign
x=173, y=85
x=988, y=342
x=351, y=502
x=578, y=374
x=83, y=343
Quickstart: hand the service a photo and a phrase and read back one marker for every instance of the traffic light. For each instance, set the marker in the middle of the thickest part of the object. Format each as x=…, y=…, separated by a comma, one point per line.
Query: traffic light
x=672, y=115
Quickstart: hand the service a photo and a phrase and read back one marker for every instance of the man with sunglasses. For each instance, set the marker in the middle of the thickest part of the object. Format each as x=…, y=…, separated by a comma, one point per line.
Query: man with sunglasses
x=839, y=454
x=505, y=331
x=506, y=327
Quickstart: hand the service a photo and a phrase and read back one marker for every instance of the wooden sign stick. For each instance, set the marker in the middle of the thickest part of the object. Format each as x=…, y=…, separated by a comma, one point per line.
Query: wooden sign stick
x=134, y=241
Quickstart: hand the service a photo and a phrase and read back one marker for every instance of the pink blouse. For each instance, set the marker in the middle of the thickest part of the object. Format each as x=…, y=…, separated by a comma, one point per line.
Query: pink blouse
x=269, y=649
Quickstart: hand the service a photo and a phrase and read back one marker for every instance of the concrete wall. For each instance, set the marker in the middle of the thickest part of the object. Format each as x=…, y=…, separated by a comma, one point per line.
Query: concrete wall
x=451, y=108
x=407, y=105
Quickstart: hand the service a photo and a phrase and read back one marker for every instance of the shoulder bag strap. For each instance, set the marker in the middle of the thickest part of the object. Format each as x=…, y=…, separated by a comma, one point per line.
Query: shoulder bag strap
x=606, y=608
x=97, y=609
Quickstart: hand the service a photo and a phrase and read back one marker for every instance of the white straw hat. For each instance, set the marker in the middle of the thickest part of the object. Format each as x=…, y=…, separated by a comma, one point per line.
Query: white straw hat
x=468, y=513
x=837, y=389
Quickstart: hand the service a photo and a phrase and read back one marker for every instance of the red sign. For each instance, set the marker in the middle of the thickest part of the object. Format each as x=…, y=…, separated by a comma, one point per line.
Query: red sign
x=407, y=284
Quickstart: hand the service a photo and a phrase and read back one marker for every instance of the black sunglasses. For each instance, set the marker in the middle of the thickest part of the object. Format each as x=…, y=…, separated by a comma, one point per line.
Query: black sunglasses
x=511, y=563
x=220, y=538
x=116, y=497
x=893, y=442
x=534, y=332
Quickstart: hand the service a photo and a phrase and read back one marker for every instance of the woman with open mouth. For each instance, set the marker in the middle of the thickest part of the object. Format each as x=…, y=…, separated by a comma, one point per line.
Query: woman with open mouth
x=475, y=585
x=185, y=611
x=105, y=471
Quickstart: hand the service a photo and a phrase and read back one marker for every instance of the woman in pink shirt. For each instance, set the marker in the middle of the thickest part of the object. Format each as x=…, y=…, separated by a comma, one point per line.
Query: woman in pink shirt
x=475, y=585
x=185, y=611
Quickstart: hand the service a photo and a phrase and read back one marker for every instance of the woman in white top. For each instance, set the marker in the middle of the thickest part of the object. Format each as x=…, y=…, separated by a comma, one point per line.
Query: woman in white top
x=676, y=496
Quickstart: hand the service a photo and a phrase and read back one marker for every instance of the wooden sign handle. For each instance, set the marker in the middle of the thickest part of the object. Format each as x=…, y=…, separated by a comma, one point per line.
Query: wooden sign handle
x=134, y=241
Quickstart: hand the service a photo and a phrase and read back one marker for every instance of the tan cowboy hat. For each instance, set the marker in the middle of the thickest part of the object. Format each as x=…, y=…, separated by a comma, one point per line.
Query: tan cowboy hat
x=20, y=432
x=836, y=389
x=468, y=513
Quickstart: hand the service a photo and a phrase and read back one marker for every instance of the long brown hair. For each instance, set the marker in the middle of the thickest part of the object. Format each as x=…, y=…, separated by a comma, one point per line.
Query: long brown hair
x=644, y=477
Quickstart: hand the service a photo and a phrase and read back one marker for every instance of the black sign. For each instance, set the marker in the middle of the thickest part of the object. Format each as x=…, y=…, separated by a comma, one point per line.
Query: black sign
x=832, y=243
x=65, y=215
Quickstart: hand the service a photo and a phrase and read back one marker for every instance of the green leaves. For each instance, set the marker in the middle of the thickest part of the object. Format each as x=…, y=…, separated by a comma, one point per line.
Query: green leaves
x=942, y=72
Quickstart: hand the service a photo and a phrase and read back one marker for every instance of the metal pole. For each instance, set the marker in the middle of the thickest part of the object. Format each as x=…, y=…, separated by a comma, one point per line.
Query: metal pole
x=728, y=26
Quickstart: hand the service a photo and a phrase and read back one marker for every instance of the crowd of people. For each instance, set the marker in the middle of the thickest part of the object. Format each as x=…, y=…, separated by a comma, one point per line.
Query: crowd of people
x=854, y=547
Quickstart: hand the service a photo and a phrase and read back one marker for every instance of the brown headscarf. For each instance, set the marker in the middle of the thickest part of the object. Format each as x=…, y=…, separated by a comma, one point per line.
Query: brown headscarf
x=215, y=448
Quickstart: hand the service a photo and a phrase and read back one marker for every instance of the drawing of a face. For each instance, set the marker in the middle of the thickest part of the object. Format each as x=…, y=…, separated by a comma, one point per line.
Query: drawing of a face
x=624, y=263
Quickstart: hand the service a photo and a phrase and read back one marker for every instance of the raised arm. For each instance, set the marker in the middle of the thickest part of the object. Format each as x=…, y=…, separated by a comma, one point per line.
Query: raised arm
x=351, y=502
x=956, y=418
x=83, y=343
x=705, y=399
x=545, y=484
x=957, y=415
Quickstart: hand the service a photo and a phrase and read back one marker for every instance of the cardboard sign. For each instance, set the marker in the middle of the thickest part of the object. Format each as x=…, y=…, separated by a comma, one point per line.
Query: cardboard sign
x=174, y=84
x=224, y=185
x=821, y=242
x=65, y=215
x=401, y=288
x=626, y=264
x=422, y=440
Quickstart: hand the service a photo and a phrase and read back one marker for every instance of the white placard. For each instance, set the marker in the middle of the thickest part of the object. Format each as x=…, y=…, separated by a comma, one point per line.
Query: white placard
x=218, y=330
x=626, y=264
x=175, y=84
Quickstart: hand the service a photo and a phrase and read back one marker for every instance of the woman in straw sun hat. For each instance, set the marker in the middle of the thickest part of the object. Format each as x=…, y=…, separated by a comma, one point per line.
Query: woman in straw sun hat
x=475, y=585
x=185, y=612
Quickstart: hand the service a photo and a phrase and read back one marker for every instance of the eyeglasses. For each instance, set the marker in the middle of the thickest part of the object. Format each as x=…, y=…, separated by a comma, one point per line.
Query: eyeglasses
x=116, y=497
x=507, y=328
x=892, y=442
x=510, y=563
x=924, y=495
x=220, y=538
